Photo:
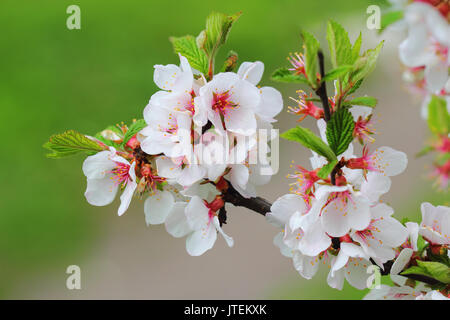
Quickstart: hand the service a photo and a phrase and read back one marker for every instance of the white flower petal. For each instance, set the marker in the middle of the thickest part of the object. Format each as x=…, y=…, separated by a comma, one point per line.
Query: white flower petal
x=200, y=241
x=126, y=196
x=176, y=222
x=158, y=206
x=101, y=192
x=251, y=71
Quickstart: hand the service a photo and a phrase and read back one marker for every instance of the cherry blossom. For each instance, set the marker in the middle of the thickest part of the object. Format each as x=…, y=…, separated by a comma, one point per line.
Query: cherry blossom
x=204, y=223
x=106, y=173
x=435, y=225
x=427, y=44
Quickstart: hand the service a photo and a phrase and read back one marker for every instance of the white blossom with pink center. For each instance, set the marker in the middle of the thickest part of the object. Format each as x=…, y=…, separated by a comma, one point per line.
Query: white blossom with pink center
x=427, y=44
x=106, y=173
x=383, y=234
x=435, y=225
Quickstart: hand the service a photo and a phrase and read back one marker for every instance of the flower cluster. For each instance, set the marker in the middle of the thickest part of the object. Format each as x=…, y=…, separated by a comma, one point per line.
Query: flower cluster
x=203, y=142
x=200, y=135
x=415, y=257
x=343, y=225
x=425, y=55
x=199, y=139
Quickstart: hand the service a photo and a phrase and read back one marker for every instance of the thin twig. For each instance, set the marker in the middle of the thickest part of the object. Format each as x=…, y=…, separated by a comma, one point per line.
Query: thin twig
x=322, y=93
x=322, y=90
x=257, y=204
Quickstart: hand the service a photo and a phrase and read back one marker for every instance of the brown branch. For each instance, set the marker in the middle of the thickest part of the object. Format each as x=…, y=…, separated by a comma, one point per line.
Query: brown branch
x=322, y=90
x=257, y=204
x=322, y=93
x=386, y=270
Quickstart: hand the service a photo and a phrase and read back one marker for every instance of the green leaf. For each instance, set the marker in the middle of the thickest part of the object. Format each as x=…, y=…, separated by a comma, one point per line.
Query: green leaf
x=218, y=26
x=431, y=269
x=354, y=87
x=69, y=143
x=389, y=18
x=421, y=243
x=363, y=101
x=308, y=139
x=415, y=270
x=365, y=64
x=438, y=117
x=230, y=62
x=441, y=257
x=187, y=47
x=284, y=75
x=340, y=130
x=134, y=128
x=425, y=150
x=325, y=171
x=337, y=72
x=356, y=48
x=436, y=270
x=339, y=43
x=311, y=46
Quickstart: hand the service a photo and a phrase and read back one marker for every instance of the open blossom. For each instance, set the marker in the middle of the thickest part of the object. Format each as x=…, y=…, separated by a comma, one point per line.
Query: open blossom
x=301, y=229
x=384, y=160
x=106, y=173
x=351, y=264
x=229, y=103
x=200, y=223
x=232, y=102
x=298, y=64
x=167, y=132
x=383, y=234
x=305, y=241
x=271, y=102
x=402, y=289
x=184, y=170
x=363, y=130
x=435, y=225
x=427, y=44
x=306, y=107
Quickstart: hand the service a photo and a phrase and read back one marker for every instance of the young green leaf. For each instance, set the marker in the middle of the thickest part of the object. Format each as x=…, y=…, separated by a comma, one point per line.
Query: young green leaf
x=340, y=130
x=339, y=43
x=416, y=270
x=311, y=46
x=438, y=117
x=284, y=75
x=356, y=48
x=354, y=87
x=365, y=64
x=134, y=128
x=218, y=26
x=187, y=47
x=325, y=171
x=425, y=150
x=308, y=139
x=337, y=72
x=363, y=101
x=69, y=143
x=436, y=270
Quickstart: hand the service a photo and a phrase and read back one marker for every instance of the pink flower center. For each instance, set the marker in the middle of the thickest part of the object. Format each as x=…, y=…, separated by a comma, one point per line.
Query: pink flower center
x=369, y=232
x=363, y=129
x=120, y=173
x=298, y=64
x=222, y=103
x=306, y=107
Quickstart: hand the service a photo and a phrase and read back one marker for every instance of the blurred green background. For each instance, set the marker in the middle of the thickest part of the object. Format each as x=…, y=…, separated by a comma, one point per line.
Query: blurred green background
x=55, y=79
